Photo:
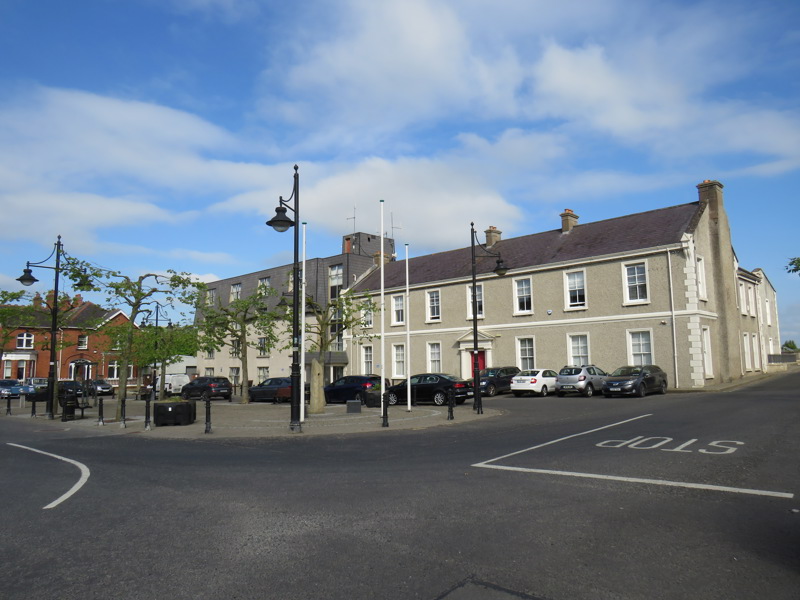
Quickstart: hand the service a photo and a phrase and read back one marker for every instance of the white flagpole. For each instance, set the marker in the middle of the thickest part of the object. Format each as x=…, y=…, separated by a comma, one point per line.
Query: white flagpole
x=384, y=408
x=303, y=334
x=408, y=338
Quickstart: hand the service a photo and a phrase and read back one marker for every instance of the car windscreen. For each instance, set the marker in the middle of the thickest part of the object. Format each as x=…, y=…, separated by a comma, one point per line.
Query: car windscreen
x=626, y=371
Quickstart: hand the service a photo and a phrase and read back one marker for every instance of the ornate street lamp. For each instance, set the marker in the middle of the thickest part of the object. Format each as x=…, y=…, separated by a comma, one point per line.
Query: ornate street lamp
x=500, y=270
x=28, y=279
x=280, y=223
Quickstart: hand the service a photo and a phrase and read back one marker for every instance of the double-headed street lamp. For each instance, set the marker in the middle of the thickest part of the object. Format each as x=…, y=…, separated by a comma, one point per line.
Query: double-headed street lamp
x=280, y=223
x=499, y=270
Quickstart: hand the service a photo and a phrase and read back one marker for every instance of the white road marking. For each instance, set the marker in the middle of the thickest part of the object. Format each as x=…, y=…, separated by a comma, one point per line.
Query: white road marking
x=699, y=486
x=83, y=479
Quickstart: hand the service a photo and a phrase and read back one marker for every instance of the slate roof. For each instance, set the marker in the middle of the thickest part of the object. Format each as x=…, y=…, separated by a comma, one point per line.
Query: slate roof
x=84, y=316
x=629, y=233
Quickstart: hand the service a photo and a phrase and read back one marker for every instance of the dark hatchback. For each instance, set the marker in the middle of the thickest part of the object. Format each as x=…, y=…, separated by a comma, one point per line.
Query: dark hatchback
x=207, y=386
x=431, y=387
x=275, y=389
x=354, y=387
x=103, y=387
x=635, y=381
x=497, y=380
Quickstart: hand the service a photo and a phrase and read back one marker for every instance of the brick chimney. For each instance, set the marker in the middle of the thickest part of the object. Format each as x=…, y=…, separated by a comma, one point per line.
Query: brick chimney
x=568, y=220
x=710, y=193
x=492, y=236
x=37, y=300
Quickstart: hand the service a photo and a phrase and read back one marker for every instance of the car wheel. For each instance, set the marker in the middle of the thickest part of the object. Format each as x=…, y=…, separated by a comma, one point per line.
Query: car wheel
x=491, y=390
x=185, y=395
x=393, y=398
x=517, y=394
x=641, y=391
x=588, y=391
x=204, y=397
x=439, y=398
x=663, y=388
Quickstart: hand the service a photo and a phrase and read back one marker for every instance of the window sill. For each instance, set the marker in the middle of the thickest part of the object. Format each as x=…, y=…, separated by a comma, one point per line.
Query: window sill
x=575, y=308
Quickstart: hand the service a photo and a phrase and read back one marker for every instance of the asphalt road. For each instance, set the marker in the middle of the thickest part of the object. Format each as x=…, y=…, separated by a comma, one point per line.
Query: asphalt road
x=676, y=496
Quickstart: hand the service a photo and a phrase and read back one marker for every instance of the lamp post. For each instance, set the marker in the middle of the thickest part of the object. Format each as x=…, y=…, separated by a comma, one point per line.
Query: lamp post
x=280, y=223
x=27, y=279
x=499, y=270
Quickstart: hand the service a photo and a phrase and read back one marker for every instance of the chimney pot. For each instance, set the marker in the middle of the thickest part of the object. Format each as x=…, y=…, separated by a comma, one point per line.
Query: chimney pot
x=493, y=235
x=568, y=220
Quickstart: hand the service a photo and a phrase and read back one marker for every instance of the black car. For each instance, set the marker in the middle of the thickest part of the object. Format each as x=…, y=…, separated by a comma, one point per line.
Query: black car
x=354, y=387
x=635, y=380
x=497, y=380
x=431, y=387
x=207, y=387
x=274, y=389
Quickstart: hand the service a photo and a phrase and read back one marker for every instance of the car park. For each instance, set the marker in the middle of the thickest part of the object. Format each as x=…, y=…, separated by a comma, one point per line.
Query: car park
x=534, y=381
x=584, y=380
x=353, y=387
x=497, y=380
x=272, y=389
x=636, y=381
x=431, y=387
x=208, y=387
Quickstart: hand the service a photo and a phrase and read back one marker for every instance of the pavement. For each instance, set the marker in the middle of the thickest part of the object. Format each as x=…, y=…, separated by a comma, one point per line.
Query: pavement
x=254, y=420
x=266, y=420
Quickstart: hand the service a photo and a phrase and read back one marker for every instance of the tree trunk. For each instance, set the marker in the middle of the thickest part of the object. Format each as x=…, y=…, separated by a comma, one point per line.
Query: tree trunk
x=317, y=405
x=243, y=347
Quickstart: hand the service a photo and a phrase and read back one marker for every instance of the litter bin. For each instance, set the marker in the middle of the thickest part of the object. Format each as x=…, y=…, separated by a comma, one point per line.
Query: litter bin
x=173, y=413
x=354, y=406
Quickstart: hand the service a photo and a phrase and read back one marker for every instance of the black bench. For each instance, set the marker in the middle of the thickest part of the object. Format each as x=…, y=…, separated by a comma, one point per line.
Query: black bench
x=71, y=402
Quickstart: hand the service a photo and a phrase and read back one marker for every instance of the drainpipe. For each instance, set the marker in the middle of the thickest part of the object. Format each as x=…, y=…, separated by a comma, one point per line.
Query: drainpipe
x=672, y=312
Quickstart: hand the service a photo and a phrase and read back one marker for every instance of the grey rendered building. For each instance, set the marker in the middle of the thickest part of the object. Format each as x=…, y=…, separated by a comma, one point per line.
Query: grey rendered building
x=662, y=287
x=325, y=278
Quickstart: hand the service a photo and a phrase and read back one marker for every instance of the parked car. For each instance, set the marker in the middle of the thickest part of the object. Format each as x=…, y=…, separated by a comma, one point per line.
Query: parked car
x=208, y=386
x=497, y=380
x=585, y=380
x=636, y=380
x=275, y=389
x=69, y=388
x=38, y=383
x=534, y=381
x=102, y=386
x=431, y=387
x=10, y=388
x=353, y=387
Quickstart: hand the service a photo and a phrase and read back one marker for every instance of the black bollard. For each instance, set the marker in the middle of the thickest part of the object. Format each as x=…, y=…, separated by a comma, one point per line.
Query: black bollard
x=385, y=411
x=100, y=420
x=148, y=398
x=122, y=412
x=8, y=406
x=208, y=414
x=33, y=406
x=451, y=400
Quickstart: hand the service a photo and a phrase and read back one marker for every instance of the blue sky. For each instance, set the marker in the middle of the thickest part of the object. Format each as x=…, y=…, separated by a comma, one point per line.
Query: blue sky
x=157, y=134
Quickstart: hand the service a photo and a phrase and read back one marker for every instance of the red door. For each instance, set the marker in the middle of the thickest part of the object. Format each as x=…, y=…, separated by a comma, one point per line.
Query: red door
x=481, y=355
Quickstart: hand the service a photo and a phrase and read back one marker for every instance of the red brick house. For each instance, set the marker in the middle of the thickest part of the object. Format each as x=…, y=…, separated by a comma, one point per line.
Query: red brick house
x=27, y=354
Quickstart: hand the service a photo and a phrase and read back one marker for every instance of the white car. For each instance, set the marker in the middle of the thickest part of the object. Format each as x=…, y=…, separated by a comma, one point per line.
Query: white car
x=534, y=381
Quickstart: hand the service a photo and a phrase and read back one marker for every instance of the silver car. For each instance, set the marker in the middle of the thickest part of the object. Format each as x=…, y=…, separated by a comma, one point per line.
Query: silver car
x=584, y=380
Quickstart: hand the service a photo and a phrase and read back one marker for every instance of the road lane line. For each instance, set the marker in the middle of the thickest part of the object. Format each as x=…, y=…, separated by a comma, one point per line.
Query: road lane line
x=697, y=486
x=491, y=460
x=83, y=479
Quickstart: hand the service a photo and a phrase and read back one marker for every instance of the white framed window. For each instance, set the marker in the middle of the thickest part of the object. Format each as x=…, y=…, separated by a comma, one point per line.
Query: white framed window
x=578, y=348
x=768, y=311
x=209, y=372
x=236, y=291
x=335, y=280
x=6, y=369
x=575, y=290
x=368, y=318
x=748, y=362
x=113, y=369
x=708, y=363
x=640, y=347
x=523, y=296
x=263, y=346
x=398, y=360
x=478, y=300
x=83, y=342
x=756, y=353
x=634, y=277
x=236, y=348
x=742, y=298
x=367, y=359
x=262, y=373
x=210, y=355
x=263, y=284
x=233, y=375
x=435, y=357
x=434, y=306
x=702, y=290
x=211, y=297
x=398, y=310
x=25, y=341
x=525, y=353
x=751, y=300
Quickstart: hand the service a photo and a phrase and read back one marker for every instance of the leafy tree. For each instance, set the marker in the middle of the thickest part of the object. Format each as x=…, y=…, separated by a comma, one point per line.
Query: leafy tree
x=136, y=294
x=164, y=345
x=790, y=346
x=345, y=312
x=236, y=325
x=794, y=265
